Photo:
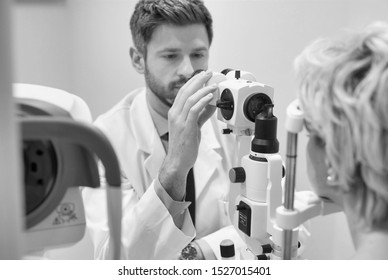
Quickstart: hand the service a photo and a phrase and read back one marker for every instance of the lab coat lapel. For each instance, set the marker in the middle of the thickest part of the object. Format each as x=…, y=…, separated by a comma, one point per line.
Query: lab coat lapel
x=155, y=159
x=147, y=138
x=209, y=158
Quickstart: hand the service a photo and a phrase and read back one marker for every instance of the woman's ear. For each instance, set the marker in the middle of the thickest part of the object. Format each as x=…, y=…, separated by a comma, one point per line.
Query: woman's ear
x=137, y=59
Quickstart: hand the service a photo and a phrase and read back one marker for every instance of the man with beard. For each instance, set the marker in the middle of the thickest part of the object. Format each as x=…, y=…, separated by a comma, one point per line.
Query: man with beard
x=168, y=142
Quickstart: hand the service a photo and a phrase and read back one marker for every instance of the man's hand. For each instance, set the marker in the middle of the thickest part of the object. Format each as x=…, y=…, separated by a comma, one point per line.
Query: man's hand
x=185, y=118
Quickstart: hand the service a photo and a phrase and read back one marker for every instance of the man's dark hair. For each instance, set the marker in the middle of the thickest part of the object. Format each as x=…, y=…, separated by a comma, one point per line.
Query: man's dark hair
x=150, y=14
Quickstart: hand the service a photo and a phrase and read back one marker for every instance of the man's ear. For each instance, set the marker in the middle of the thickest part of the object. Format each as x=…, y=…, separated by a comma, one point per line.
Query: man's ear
x=137, y=59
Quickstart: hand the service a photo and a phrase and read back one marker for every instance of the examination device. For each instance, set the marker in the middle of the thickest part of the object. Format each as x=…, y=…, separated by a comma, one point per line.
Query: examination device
x=61, y=150
x=269, y=214
x=246, y=106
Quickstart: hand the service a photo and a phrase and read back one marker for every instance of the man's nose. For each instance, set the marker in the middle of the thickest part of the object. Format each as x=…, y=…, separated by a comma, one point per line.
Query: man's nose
x=186, y=67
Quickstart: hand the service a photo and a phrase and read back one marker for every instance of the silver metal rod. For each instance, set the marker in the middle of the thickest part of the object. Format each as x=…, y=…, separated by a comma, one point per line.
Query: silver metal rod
x=292, y=143
x=287, y=244
x=289, y=192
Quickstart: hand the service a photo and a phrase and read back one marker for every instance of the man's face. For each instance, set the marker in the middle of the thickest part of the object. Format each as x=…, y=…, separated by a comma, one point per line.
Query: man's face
x=173, y=54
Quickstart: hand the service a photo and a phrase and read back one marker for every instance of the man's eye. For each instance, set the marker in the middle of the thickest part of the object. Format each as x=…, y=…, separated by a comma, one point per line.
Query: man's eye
x=170, y=56
x=198, y=55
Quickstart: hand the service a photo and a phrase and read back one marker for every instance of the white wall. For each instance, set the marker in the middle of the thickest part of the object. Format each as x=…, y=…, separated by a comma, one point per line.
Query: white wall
x=11, y=194
x=82, y=47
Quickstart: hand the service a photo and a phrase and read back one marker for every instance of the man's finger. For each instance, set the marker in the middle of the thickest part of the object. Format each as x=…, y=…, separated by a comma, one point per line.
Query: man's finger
x=194, y=112
x=190, y=87
x=194, y=98
x=206, y=113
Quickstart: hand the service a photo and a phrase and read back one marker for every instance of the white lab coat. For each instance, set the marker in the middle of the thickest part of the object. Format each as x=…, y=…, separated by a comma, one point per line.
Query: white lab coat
x=148, y=230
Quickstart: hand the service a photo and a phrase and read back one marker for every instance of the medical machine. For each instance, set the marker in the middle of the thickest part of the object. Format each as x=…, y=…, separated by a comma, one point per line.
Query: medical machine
x=61, y=152
x=268, y=228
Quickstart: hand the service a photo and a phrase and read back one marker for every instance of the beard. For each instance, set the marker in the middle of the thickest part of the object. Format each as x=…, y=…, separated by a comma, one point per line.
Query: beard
x=165, y=94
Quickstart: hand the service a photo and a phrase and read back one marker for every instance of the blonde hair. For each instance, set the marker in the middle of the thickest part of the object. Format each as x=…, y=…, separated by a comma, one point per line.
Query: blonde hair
x=343, y=90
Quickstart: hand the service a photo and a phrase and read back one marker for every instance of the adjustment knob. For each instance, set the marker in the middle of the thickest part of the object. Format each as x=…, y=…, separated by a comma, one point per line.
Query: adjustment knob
x=227, y=249
x=237, y=175
x=226, y=131
x=227, y=105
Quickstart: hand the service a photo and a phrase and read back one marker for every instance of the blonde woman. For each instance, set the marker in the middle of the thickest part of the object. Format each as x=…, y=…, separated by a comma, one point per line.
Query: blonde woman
x=343, y=91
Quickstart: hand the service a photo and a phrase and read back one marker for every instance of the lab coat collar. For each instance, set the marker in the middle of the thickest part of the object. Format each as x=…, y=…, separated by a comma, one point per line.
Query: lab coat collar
x=147, y=137
x=159, y=119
